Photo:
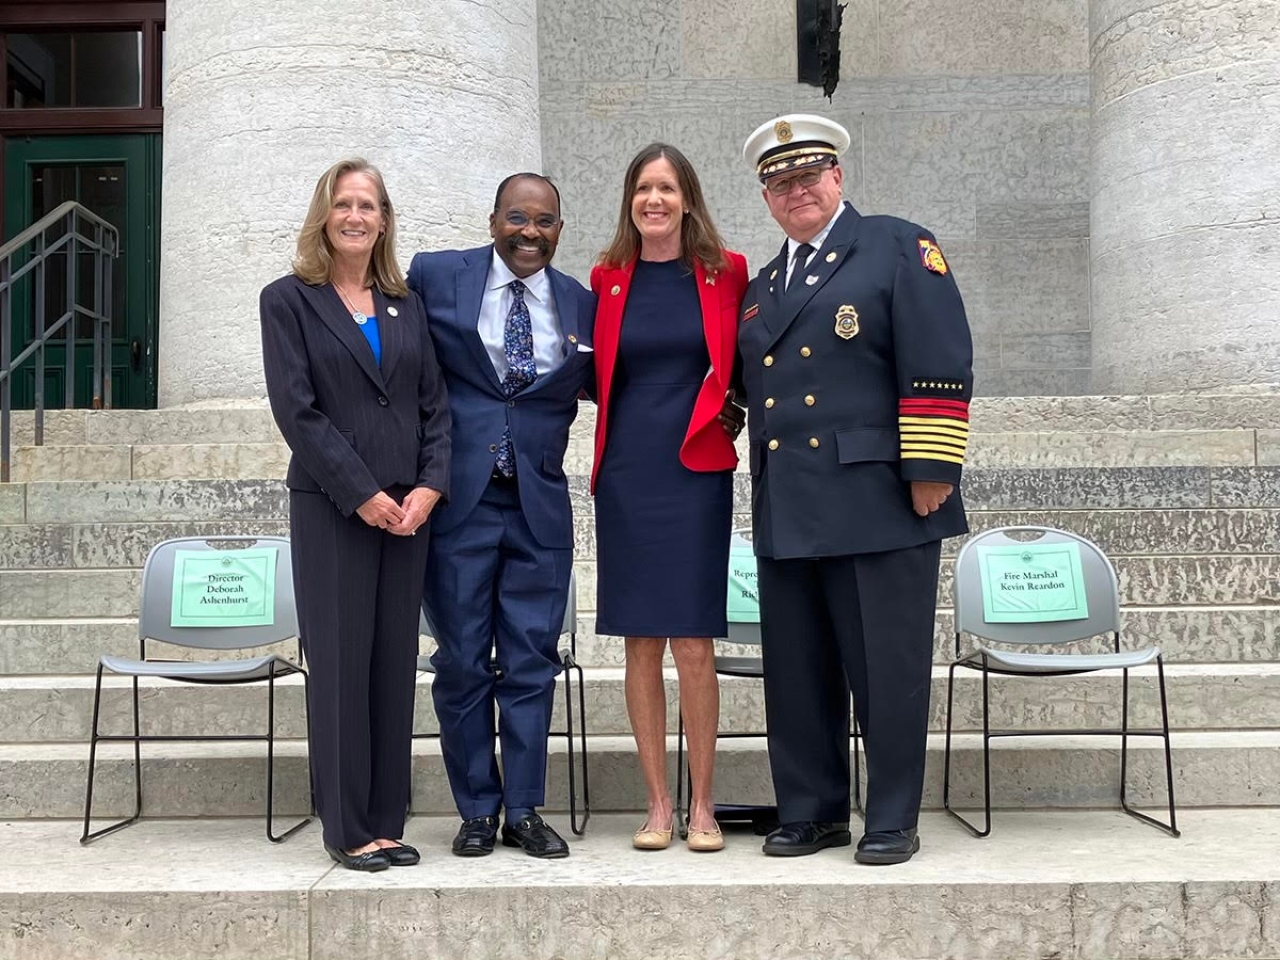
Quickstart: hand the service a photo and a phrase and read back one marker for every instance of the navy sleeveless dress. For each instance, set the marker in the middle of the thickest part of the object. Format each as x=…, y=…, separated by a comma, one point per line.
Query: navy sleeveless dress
x=662, y=530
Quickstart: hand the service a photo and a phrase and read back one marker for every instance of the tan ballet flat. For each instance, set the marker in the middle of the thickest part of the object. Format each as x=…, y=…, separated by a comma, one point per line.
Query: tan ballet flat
x=651, y=839
x=705, y=841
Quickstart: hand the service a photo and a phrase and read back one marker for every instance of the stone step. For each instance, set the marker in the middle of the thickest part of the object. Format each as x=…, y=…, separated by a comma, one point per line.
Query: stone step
x=1238, y=768
x=1086, y=885
x=1084, y=488
x=1244, y=579
x=183, y=461
x=1187, y=634
x=1201, y=697
x=1202, y=531
x=1252, y=409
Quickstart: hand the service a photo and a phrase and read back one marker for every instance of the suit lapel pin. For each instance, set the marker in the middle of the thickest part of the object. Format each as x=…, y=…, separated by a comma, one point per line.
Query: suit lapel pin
x=831, y=257
x=711, y=281
x=774, y=275
x=572, y=338
x=392, y=312
x=616, y=290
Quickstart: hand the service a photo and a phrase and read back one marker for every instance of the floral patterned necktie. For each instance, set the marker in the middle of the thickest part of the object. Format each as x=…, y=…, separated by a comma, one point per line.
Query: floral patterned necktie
x=517, y=343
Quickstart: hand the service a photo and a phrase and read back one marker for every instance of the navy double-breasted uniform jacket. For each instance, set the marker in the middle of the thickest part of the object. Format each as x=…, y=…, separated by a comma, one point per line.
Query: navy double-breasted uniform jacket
x=858, y=380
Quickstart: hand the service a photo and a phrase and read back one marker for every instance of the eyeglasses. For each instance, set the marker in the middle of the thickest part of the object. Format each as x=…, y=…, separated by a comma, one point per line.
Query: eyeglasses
x=782, y=186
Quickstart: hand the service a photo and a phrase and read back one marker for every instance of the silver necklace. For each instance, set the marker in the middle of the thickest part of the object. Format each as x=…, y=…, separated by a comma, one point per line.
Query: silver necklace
x=356, y=315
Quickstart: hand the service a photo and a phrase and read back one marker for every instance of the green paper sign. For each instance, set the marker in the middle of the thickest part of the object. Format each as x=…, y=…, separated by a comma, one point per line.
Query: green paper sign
x=1032, y=583
x=224, y=588
x=744, y=590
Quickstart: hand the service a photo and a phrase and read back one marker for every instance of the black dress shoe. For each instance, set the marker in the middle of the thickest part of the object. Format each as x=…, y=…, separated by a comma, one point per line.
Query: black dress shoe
x=476, y=837
x=887, y=846
x=802, y=837
x=537, y=839
x=402, y=855
x=370, y=862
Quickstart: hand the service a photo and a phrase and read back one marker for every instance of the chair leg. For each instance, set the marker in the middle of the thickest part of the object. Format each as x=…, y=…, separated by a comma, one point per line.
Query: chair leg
x=569, y=667
x=986, y=756
x=857, y=772
x=271, y=762
x=681, y=821
x=1172, y=826
x=87, y=837
x=582, y=734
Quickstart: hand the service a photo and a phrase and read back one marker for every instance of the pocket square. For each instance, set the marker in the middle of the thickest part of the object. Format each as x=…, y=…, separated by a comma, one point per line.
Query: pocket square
x=583, y=348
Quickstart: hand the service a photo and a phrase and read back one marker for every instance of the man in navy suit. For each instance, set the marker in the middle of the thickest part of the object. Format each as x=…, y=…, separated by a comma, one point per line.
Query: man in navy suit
x=513, y=337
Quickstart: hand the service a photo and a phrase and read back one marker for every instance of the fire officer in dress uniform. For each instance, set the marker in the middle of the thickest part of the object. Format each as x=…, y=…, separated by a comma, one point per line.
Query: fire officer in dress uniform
x=856, y=362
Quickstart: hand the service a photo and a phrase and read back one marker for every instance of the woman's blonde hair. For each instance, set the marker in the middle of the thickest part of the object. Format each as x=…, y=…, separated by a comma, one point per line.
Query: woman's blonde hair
x=314, y=262
x=699, y=239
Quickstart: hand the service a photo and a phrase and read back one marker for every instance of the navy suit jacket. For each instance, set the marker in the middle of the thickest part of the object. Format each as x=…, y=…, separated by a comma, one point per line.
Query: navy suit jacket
x=354, y=427
x=451, y=284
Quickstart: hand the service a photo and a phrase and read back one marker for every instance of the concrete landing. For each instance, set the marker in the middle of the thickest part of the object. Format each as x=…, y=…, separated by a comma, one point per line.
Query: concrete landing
x=1065, y=885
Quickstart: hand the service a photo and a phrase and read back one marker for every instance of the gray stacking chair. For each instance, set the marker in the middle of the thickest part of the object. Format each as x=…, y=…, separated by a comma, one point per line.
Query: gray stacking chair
x=747, y=635
x=569, y=663
x=154, y=623
x=1103, y=600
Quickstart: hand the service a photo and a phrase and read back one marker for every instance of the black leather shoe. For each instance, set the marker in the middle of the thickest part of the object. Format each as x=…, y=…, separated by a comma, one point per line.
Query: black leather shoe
x=887, y=846
x=537, y=839
x=476, y=837
x=370, y=862
x=803, y=837
x=402, y=855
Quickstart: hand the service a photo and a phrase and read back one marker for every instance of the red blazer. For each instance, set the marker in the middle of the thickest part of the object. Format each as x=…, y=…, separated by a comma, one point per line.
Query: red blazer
x=706, y=446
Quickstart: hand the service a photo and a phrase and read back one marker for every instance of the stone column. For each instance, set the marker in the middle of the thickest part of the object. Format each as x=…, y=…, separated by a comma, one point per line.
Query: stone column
x=1185, y=184
x=261, y=97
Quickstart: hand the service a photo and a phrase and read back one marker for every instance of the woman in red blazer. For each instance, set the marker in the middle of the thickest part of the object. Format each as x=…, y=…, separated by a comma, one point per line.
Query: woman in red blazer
x=665, y=339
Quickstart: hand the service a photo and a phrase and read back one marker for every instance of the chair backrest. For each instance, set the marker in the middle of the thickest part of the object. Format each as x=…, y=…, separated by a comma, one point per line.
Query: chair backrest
x=569, y=624
x=747, y=634
x=155, y=618
x=1100, y=585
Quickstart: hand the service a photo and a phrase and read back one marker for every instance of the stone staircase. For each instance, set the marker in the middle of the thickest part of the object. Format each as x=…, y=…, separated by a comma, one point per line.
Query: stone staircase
x=1182, y=492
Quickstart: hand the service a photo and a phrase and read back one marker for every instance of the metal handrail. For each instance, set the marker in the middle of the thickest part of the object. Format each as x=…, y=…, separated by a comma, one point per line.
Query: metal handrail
x=83, y=232
x=48, y=220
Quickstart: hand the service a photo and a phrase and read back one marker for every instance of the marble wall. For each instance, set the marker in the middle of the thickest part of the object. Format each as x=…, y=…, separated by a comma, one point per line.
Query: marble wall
x=971, y=119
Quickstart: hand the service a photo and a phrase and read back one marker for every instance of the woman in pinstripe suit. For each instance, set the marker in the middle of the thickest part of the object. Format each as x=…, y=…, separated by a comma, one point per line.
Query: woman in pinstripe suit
x=357, y=394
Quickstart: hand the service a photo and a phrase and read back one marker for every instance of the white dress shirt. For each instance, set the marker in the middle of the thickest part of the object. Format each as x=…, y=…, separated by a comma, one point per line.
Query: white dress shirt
x=548, y=340
x=816, y=243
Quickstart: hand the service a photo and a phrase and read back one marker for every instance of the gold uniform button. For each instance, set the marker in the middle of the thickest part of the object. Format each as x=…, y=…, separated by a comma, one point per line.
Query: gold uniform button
x=773, y=444
x=813, y=442
x=809, y=400
x=768, y=404
x=768, y=361
x=805, y=351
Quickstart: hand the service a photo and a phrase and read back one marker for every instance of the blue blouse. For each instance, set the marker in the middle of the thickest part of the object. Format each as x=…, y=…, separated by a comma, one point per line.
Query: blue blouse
x=370, y=330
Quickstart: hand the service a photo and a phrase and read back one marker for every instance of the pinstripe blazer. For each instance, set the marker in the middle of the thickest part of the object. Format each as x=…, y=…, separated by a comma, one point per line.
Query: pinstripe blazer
x=354, y=427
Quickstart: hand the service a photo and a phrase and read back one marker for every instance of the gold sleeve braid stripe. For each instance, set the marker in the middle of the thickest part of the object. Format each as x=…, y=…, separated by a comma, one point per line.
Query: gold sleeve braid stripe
x=932, y=429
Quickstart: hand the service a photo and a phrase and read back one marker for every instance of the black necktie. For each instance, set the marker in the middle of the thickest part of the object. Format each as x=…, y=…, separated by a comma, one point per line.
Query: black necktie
x=798, y=260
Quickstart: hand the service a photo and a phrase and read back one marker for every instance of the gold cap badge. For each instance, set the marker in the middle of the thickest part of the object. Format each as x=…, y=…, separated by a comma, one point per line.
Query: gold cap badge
x=782, y=130
x=846, y=322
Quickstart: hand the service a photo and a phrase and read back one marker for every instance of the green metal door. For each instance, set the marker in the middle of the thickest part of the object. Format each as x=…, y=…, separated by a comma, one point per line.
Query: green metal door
x=118, y=178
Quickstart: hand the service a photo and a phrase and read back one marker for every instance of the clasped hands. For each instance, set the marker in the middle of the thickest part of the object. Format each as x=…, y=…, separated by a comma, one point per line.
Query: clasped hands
x=402, y=519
